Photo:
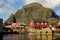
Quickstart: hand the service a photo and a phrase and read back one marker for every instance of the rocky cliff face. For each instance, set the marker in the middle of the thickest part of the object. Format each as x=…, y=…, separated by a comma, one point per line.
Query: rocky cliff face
x=33, y=11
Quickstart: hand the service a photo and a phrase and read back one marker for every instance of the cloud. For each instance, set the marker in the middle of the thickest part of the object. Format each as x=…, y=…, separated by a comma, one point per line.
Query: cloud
x=10, y=6
x=7, y=6
x=1, y=2
x=46, y=3
x=7, y=9
x=13, y=1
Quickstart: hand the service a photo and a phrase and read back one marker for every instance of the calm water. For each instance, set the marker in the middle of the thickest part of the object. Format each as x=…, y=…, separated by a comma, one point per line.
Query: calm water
x=21, y=37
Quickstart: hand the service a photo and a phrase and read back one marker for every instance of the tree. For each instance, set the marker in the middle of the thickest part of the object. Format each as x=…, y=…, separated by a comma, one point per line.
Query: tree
x=14, y=19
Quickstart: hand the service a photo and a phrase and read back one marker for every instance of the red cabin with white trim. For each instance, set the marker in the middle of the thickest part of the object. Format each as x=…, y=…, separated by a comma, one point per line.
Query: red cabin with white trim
x=58, y=25
x=38, y=23
x=13, y=25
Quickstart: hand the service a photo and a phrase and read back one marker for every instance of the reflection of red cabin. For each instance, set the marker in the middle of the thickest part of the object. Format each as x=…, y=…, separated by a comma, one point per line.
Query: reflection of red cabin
x=38, y=23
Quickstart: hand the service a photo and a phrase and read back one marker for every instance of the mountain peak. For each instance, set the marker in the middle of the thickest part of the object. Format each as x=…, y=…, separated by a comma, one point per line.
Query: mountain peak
x=33, y=4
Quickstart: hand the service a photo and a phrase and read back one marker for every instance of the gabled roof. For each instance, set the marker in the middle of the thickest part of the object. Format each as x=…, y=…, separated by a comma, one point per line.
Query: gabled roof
x=38, y=20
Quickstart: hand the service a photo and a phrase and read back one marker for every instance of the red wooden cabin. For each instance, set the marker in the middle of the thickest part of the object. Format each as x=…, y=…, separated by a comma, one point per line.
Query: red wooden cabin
x=14, y=25
x=38, y=23
x=54, y=24
x=58, y=25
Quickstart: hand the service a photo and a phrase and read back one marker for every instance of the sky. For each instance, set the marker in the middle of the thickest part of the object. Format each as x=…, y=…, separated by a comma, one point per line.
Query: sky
x=7, y=7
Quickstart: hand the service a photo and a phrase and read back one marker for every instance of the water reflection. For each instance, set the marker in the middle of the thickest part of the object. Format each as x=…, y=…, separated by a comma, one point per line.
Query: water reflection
x=1, y=36
x=22, y=37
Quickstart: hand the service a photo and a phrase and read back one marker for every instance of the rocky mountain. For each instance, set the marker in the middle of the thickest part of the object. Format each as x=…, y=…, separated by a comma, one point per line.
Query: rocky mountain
x=33, y=11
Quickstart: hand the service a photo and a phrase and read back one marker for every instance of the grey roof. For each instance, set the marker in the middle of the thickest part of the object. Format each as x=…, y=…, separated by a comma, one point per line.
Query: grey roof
x=38, y=20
